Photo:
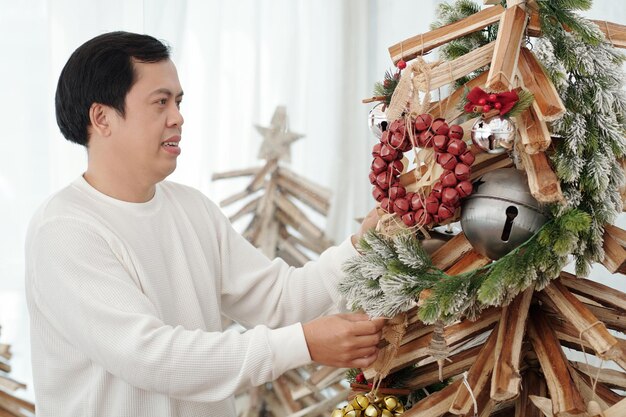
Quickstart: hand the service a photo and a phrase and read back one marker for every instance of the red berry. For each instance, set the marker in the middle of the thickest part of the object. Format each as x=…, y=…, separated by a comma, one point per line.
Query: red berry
x=492, y=97
x=464, y=188
x=467, y=158
x=401, y=64
x=462, y=172
x=360, y=378
x=498, y=105
x=486, y=108
x=482, y=102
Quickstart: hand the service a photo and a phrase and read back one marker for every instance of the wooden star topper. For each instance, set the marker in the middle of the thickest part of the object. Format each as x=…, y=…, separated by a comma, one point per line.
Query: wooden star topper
x=277, y=138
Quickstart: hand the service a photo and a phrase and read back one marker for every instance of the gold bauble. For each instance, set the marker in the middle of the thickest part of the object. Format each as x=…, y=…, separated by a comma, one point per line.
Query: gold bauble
x=338, y=412
x=386, y=413
x=360, y=402
x=353, y=413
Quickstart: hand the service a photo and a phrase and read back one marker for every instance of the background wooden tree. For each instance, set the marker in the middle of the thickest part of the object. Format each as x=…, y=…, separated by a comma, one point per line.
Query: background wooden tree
x=510, y=361
x=10, y=405
x=275, y=199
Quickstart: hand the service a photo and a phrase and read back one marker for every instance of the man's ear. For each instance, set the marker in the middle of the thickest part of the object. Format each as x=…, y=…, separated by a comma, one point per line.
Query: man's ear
x=100, y=118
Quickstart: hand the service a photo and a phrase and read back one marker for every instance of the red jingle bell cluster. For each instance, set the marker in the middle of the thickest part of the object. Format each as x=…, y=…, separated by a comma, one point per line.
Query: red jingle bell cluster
x=451, y=153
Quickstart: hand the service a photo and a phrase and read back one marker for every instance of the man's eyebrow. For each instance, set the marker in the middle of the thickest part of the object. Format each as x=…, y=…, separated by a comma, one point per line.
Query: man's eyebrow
x=167, y=92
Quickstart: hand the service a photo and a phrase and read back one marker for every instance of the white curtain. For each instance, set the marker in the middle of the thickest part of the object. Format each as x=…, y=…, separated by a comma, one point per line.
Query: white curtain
x=237, y=61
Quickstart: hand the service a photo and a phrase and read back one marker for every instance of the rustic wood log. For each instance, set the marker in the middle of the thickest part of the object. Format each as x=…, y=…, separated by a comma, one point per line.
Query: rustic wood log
x=322, y=193
x=260, y=178
x=609, y=377
x=451, y=251
x=532, y=384
x=423, y=376
x=282, y=391
x=565, y=396
x=538, y=83
x=436, y=404
x=477, y=377
x=425, y=42
x=486, y=162
x=617, y=410
x=612, y=318
x=234, y=198
x=533, y=131
x=322, y=406
x=590, y=328
x=596, y=291
x=316, y=245
x=585, y=387
x=450, y=71
x=542, y=181
x=542, y=403
x=5, y=351
x=312, y=199
x=295, y=213
x=15, y=405
x=505, y=382
x=417, y=349
x=484, y=404
x=250, y=207
x=505, y=56
x=294, y=252
x=468, y=262
x=10, y=384
x=236, y=173
x=614, y=253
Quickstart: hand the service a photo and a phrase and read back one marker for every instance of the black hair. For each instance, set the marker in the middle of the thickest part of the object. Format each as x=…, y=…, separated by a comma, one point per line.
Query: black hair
x=101, y=71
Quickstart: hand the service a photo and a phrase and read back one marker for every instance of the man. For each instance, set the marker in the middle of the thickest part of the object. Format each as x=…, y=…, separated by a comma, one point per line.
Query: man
x=128, y=275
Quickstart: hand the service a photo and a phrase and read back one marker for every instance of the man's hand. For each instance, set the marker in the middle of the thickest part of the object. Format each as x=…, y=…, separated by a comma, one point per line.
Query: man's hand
x=344, y=340
x=369, y=222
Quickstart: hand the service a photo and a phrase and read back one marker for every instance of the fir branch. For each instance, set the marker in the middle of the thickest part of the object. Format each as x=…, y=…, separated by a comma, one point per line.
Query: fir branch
x=525, y=100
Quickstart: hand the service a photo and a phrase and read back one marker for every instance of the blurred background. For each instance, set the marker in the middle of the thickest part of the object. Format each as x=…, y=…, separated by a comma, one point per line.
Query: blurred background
x=237, y=60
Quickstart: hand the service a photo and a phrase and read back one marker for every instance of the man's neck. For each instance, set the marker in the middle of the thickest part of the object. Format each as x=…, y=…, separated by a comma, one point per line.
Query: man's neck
x=119, y=187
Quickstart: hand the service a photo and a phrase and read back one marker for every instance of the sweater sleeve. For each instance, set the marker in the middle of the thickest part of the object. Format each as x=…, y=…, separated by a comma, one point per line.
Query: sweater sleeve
x=256, y=290
x=79, y=281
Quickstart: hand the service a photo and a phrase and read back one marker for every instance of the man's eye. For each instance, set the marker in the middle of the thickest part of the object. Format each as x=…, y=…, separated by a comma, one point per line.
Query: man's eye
x=163, y=101
x=178, y=104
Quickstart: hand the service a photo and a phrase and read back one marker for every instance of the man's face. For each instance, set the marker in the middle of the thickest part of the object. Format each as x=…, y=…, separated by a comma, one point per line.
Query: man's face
x=146, y=138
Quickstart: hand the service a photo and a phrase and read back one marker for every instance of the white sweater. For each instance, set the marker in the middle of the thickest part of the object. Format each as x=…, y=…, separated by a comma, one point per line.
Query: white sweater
x=125, y=302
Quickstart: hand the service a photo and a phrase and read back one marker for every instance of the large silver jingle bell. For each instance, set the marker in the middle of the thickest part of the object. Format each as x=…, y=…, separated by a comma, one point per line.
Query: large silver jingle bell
x=494, y=135
x=377, y=120
x=501, y=214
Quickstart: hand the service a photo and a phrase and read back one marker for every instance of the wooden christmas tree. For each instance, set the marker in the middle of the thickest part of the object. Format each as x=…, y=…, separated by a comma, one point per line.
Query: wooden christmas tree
x=278, y=226
x=508, y=359
x=281, y=228
x=10, y=405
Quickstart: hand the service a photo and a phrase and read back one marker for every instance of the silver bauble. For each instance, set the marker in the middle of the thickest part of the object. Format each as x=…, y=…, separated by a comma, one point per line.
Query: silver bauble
x=377, y=120
x=500, y=214
x=494, y=135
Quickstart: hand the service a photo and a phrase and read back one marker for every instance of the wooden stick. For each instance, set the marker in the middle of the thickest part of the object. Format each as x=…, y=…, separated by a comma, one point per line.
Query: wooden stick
x=538, y=83
x=610, y=377
x=542, y=181
x=451, y=251
x=234, y=198
x=323, y=193
x=450, y=71
x=533, y=131
x=506, y=53
x=436, y=404
x=617, y=410
x=486, y=162
x=596, y=291
x=532, y=384
x=565, y=396
x=295, y=213
x=590, y=328
x=249, y=207
x=505, y=382
x=307, y=196
x=614, y=253
x=425, y=375
x=425, y=42
x=477, y=377
x=237, y=173
x=447, y=107
x=259, y=179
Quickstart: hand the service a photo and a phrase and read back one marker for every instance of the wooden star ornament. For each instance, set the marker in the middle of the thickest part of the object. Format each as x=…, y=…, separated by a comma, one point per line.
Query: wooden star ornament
x=277, y=137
